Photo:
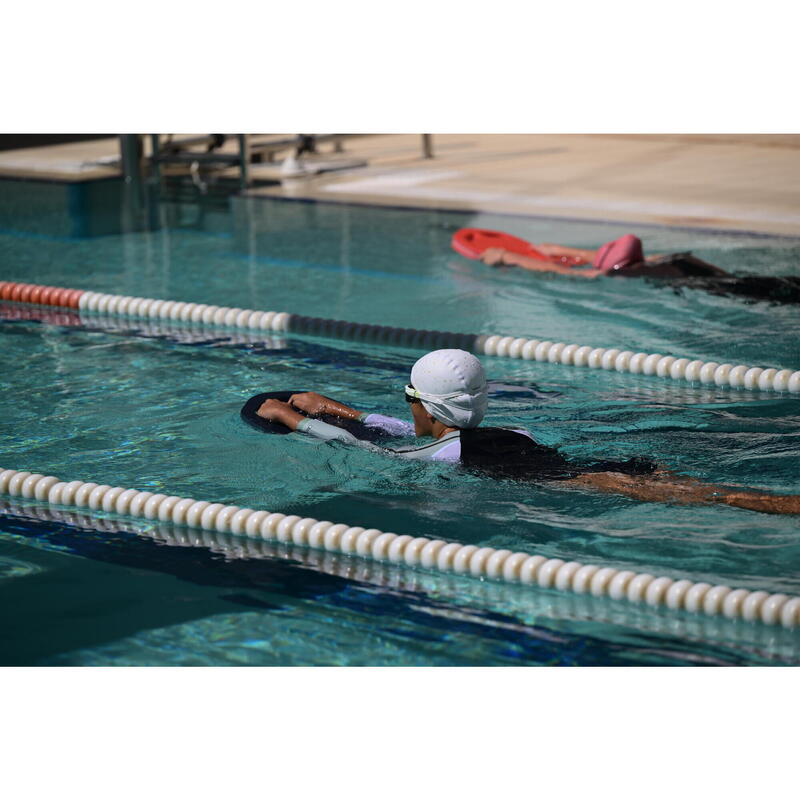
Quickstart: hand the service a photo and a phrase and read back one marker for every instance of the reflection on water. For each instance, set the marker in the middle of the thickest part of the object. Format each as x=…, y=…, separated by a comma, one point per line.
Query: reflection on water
x=424, y=615
x=11, y=568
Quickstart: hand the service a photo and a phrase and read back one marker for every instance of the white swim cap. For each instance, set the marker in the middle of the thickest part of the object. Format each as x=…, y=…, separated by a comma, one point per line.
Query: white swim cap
x=452, y=386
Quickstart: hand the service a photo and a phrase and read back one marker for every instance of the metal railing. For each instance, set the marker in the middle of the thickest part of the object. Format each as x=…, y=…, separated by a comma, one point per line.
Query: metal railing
x=251, y=148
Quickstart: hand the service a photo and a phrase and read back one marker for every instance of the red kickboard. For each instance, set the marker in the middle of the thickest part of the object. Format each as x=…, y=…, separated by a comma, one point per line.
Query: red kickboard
x=472, y=242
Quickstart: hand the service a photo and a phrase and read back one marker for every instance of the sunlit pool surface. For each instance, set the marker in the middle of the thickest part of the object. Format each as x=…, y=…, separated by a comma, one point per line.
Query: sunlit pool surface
x=157, y=408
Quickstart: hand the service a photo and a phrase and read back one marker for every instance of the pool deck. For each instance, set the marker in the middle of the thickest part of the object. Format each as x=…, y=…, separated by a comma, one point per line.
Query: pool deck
x=723, y=181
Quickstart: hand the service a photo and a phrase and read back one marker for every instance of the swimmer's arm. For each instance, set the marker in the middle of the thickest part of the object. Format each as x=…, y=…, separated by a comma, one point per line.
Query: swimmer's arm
x=534, y=265
x=322, y=430
x=560, y=250
x=496, y=256
x=316, y=404
x=277, y=411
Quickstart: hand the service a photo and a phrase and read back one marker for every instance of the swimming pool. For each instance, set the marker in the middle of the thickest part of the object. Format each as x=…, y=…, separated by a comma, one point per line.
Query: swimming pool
x=157, y=408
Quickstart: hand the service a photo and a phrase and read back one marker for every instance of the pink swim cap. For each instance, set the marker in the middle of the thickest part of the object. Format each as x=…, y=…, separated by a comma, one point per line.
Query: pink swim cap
x=619, y=253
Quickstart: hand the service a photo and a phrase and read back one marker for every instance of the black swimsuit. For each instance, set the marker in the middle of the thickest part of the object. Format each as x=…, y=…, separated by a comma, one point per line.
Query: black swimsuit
x=504, y=453
x=771, y=288
x=685, y=270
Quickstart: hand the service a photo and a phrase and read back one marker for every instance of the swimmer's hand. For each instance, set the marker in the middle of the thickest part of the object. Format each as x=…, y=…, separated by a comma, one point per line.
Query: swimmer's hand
x=495, y=257
x=278, y=411
x=315, y=404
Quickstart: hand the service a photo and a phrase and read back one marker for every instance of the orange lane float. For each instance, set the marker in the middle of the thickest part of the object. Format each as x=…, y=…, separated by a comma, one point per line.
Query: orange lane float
x=6, y=289
x=473, y=242
x=40, y=295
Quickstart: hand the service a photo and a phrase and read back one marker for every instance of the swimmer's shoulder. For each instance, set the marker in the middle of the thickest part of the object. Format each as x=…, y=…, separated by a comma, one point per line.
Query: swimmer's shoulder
x=448, y=448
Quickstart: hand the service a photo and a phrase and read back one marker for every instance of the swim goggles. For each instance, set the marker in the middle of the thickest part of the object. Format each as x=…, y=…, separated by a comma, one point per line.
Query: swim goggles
x=413, y=395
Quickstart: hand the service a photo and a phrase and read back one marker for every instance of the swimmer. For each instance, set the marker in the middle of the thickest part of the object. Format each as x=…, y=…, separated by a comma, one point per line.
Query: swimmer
x=448, y=399
x=624, y=258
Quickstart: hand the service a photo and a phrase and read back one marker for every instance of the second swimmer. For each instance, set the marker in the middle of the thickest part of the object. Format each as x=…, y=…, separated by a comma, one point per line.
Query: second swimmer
x=624, y=258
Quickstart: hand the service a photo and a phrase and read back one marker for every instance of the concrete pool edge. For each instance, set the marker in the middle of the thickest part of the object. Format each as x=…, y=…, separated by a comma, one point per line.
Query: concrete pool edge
x=400, y=203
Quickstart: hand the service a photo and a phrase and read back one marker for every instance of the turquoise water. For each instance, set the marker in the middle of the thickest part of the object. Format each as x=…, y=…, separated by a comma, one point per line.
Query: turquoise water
x=158, y=409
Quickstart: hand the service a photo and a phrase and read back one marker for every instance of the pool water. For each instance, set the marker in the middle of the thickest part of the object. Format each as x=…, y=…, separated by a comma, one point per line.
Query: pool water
x=156, y=407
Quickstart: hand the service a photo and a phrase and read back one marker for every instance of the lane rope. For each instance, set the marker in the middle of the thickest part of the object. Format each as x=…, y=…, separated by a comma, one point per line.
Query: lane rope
x=422, y=552
x=770, y=641
x=737, y=376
